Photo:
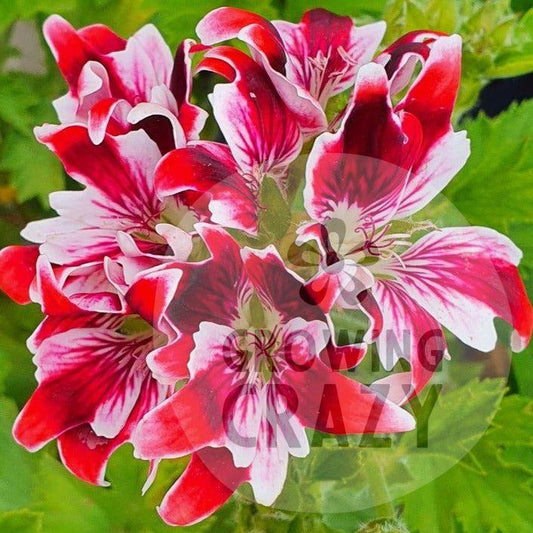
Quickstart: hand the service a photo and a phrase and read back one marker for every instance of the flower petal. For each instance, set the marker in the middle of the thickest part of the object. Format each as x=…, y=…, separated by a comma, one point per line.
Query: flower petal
x=209, y=169
x=351, y=175
x=262, y=133
x=277, y=286
x=443, y=152
x=208, y=482
x=86, y=455
x=408, y=332
x=85, y=376
x=465, y=277
x=17, y=271
x=325, y=51
x=332, y=403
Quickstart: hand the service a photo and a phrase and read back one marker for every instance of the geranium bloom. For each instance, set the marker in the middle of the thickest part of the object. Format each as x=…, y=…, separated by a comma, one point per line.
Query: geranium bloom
x=255, y=377
x=114, y=83
x=163, y=329
x=358, y=186
x=307, y=62
x=94, y=387
x=117, y=208
x=262, y=138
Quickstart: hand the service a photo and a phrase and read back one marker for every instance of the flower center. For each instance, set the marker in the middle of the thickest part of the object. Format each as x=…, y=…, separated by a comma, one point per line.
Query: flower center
x=257, y=351
x=377, y=243
x=322, y=81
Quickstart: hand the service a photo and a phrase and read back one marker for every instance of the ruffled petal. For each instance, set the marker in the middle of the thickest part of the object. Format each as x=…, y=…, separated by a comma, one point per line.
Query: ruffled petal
x=209, y=169
x=351, y=175
x=465, y=277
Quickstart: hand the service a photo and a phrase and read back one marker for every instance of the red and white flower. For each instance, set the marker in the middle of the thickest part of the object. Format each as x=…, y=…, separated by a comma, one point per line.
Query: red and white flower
x=94, y=387
x=144, y=289
x=262, y=135
x=307, y=62
x=116, y=85
x=256, y=379
x=358, y=185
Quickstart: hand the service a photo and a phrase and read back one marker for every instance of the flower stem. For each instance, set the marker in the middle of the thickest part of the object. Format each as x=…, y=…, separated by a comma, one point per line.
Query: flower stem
x=377, y=486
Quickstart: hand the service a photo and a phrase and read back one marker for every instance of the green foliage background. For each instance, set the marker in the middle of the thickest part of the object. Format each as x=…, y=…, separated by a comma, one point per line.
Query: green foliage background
x=490, y=489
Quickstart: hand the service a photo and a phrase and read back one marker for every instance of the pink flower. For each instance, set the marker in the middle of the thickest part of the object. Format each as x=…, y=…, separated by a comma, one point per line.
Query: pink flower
x=358, y=185
x=256, y=379
x=115, y=84
x=307, y=62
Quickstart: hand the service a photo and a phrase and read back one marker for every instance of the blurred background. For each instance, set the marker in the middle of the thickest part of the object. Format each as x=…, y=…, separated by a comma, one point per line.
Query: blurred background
x=490, y=489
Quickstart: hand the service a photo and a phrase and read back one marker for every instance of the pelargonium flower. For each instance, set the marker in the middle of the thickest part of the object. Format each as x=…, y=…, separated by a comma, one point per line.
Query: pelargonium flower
x=358, y=186
x=256, y=380
x=308, y=62
x=119, y=204
x=115, y=84
x=262, y=136
x=163, y=329
x=94, y=387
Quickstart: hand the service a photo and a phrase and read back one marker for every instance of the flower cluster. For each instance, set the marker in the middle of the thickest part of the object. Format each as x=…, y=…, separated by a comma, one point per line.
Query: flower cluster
x=167, y=327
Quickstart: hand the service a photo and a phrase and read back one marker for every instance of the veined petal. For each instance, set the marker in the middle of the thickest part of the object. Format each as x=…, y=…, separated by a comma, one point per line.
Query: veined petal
x=85, y=376
x=268, y=50
x=86, y=454
x=325, y=51
x=304, y=107
x=408, y=332
x=351, y=175
x=51, y=325
x=262, y=133
x=144, y=63
x=332, y=403
x=465, y=277
x=121, y=168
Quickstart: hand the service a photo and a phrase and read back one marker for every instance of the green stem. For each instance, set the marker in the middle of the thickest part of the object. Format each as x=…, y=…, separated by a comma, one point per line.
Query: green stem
x=378, y=488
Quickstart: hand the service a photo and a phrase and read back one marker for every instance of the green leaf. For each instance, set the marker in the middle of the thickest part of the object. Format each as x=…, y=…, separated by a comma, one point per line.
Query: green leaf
x=493, y=188
x=16, y=325
x=293, y=9
x=15, y=103
x=22, y=521
x=64, y=504
x=488, y=491
x=17, y=466
x=34, y=170
x=409, y=463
